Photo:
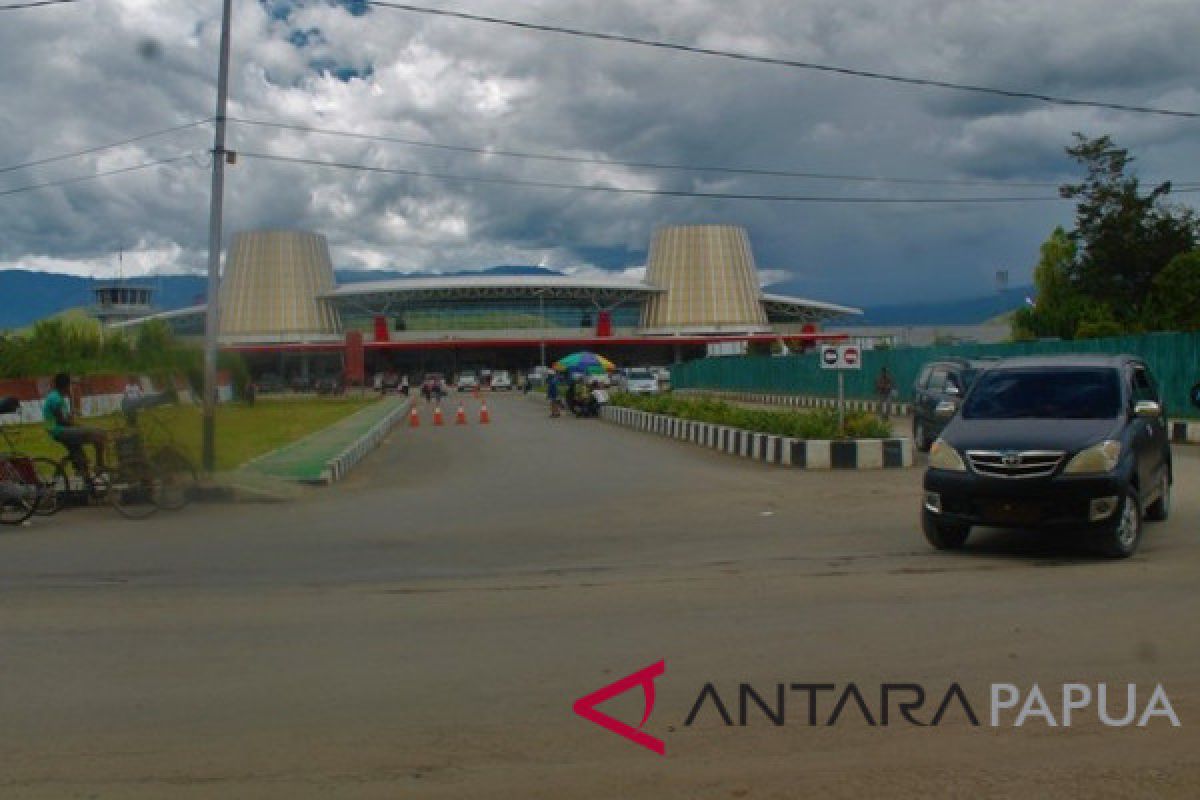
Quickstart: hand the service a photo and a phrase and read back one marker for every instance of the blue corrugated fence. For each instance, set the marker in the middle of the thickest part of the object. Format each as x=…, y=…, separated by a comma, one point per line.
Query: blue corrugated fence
x=1173, y=357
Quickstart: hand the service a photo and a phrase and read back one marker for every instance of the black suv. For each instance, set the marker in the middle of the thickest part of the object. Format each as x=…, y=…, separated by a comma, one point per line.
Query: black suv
x=939, y=381
x=1072, y=442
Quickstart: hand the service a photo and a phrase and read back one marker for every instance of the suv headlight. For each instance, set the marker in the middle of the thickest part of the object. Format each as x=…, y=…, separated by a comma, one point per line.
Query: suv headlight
x=943, y=456
x=1098, y=458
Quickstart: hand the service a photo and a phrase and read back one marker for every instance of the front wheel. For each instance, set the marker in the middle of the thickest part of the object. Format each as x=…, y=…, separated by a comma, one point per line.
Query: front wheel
x=52, y=486
x=944, y=535
x=1122, y=538
x=135, y=488
x=1160, y=509
x=920, y=437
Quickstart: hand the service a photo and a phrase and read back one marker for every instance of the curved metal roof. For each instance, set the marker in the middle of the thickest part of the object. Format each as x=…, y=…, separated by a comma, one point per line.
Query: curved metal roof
x=802, y=308
x=399, y=291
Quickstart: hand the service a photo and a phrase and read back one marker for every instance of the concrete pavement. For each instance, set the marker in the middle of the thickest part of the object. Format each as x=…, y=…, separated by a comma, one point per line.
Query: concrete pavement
x=421, y=630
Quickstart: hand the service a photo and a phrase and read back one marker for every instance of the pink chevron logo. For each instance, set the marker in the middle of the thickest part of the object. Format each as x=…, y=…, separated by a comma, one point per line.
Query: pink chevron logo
x=586, y=706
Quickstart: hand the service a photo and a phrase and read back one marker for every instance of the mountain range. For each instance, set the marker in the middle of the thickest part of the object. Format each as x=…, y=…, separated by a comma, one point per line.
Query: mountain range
x=27, y=296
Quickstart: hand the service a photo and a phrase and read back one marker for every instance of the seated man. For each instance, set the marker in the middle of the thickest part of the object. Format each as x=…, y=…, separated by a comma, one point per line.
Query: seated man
x=60, y=424
x=597, y=399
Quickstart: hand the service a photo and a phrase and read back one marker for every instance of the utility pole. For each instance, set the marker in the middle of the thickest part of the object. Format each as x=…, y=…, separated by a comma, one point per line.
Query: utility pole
x=542, y=312
x=212, y=312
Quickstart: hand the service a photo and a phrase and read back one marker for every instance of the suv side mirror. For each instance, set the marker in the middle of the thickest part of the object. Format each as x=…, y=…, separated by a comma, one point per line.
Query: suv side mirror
x=1147, y=408
x=945, y=409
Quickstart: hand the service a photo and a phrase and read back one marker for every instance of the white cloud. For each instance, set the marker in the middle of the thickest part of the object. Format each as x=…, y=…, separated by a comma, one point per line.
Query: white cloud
x=96, y=72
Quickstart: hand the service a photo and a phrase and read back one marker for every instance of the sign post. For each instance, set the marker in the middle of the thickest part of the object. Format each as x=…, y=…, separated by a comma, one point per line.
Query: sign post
x=841, y=401
x=841, y=358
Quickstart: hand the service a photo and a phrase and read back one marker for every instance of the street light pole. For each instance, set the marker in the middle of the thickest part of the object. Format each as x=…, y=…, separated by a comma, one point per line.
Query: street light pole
x=542, y=310
x=212, y=316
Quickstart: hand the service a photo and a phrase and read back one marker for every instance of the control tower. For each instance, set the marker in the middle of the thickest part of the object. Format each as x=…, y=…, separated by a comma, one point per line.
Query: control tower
x=117, y=301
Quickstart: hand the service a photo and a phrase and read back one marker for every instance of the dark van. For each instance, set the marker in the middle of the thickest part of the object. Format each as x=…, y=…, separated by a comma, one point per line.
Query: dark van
x=1067, y=442
x=938, y=382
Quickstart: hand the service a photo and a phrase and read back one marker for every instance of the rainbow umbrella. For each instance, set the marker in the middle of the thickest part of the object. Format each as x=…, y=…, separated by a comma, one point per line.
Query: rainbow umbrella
x=583, y=361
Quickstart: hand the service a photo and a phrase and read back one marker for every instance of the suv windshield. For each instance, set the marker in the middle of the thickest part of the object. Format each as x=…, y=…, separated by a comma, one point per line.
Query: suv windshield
x=1076, y=393
x=641, y=375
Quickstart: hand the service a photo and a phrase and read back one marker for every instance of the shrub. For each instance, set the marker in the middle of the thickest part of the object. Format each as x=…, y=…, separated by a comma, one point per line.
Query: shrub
x=821, y=424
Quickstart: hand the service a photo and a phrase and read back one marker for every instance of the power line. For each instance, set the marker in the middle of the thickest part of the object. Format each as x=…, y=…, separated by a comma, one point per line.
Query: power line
x=101, y=147
x=782, y=62
x=649, y=192
x=642, y=164
x=66, y=181
x=36, y=4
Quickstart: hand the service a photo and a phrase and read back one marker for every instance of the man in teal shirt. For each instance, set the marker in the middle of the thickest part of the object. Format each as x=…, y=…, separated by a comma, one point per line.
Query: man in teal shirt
x=60, y=424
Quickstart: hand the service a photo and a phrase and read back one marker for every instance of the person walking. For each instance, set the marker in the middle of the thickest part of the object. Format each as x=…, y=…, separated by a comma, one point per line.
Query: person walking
x=552, y=394
x=569, y=393
x=885, y=388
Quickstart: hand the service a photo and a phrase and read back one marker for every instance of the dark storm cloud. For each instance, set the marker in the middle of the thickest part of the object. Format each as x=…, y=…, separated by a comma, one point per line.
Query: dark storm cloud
x=86, y=74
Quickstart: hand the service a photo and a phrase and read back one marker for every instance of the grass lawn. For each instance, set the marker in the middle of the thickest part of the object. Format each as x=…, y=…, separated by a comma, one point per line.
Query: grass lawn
x=243, y=432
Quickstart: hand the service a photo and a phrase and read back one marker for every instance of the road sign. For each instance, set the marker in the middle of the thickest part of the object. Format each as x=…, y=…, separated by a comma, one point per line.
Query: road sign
x=841, y=356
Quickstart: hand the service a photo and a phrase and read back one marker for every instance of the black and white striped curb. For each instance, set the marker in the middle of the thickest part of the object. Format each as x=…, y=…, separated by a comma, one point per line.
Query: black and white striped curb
x=802, y=401
x=1185, y=432
x=340, y=465
x=772, y=449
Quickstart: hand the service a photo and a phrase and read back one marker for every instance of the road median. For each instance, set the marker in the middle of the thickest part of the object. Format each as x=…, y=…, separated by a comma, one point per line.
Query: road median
x=893, y=453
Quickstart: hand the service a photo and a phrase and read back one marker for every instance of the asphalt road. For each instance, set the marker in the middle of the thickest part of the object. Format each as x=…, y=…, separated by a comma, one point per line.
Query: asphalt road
x=422, y=630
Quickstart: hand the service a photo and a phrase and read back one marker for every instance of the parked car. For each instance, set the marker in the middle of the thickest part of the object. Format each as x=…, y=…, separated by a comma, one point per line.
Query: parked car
x=269, y=383
x=390, y=381
x=501, y=381
x=640, y=381
x=938, y=382
x=435, y=382
x=1063, y=442
x=467, y=381
x=330, y=384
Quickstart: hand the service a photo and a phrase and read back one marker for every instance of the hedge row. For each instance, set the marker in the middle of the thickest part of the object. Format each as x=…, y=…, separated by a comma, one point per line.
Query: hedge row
x=817, y=424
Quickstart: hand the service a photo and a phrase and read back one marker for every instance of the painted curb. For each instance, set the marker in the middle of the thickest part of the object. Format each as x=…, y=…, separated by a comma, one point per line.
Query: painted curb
x=802, y=401
x=1185, y=432
x=769, y=448
x=340, y=465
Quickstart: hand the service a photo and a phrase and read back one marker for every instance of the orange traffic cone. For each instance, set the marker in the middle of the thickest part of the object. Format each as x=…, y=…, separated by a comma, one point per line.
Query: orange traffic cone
x=461, y=417
x=475, y=392
x=414, y=418
x=484, y=417
x=437, y=416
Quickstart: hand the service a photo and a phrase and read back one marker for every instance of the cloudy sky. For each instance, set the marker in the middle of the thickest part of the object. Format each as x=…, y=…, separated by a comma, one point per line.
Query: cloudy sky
x=99, y=71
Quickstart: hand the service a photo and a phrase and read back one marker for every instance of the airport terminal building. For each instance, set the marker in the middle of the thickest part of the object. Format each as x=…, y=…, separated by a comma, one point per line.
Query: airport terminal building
x=282, y=308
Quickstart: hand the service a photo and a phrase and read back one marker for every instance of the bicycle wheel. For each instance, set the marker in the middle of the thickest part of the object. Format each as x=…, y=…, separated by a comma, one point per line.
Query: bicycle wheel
x=18, y=498
x=52, y=486
x=134, y=488
x=177, y=476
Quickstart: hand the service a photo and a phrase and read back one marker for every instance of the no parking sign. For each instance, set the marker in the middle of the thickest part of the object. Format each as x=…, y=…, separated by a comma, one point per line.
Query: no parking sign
x=841, y=356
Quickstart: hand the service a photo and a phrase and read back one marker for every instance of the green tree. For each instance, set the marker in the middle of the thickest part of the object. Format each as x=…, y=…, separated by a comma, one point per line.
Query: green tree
x=153, y=342
x=1126, y=237
x=1097, y=320
x=1059, y=304
x=1174, y=303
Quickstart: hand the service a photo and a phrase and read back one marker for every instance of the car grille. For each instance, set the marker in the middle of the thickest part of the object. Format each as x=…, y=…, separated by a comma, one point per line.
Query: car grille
x=1014, y=464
